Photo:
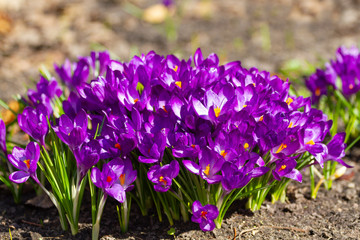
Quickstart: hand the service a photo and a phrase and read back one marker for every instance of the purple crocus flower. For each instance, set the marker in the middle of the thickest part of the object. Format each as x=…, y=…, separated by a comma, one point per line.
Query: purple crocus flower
x=336, y=149
x=3, y=137
x=286, y=168
x=26, y=161
x=78, y=78
x=204, y=215
x=162, y=176
x=234, y=177
x=72, y=133
x=210, y=163
x=34, y=122
x=87, y=156
x=126, y=175
x=152, y=146
x=107, y=178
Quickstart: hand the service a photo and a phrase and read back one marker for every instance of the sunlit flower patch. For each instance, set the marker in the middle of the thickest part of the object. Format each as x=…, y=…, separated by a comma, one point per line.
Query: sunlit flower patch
x=188, y=136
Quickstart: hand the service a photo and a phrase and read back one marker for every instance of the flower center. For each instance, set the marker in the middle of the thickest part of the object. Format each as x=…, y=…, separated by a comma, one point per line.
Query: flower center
x=122, y=179
x=193, y=145
x=108, y=179
x=207, y=170
x=27, y=162
x=222, y=153
x=136, y=100
x=117, y=145
x=289, y=101
x=351, y=86
x=282, y=168
x=217, y=111
x=282, y=147
x=311, y=142
x=261, y=118
x=175, y=69
x=246, y=145
x=162, y=180
x=203, y=214
x=178, y=83
x=317, y=92
x=164, y=108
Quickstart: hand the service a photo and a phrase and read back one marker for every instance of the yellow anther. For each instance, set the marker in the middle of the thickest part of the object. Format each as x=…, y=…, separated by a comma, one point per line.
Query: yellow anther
x=176, y=68
x=244, y=106
x=246, y=145
x=289, y=101
x=178, y=83
x=311, y=142
x=217, y=111
x=282, y=168
x=282, y=147
x=207, y=169
x=161, y=179
x=291, y=125
x=223, y=153
x=122, y=179
x=27, y=162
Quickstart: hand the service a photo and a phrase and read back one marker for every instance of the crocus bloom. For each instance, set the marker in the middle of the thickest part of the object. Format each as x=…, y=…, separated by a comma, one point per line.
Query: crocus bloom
x=2, y=136
x=87, y=156
x=34, y=122
x=210, y=163
x=73, y=133
x=107, y=178
x=26, y=161
x=204, y=215
x=286, y=168
x=126, y=175
x=336, y=149
x=162, y=176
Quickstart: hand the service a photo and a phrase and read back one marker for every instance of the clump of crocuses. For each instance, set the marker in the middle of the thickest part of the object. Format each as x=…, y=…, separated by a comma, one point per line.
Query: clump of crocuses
x=188, y=135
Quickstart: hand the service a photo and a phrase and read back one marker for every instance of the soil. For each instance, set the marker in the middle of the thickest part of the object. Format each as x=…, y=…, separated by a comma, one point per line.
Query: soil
x=265, y=34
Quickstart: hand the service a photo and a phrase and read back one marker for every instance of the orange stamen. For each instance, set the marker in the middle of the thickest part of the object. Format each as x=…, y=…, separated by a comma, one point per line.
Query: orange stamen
x=282, y=168
x=207, y=169
x=217, y=111
x=282, y=147
x=117, y=145
x=261, y=118
x=289, y=101
x=161, y=179
x=135, y=100
x=351, y=86
x=108, y=179
x=122, y=179
x=27, y=162
x=203, y=214
x=317, y=92
x=193, y=145
x=311, y=142
x=178, y=83
x=223, y=153
x=164, y=109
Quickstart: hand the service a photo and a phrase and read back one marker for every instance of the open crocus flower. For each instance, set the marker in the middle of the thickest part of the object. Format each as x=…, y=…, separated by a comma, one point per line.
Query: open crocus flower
x=34, y=122
x=204, y=215
x=2, y=136
x=107, y=178
x=73, y=133
x=210, y=163
x=127, y=175
x=286, y=168
x=162, y=176
x=26, y=161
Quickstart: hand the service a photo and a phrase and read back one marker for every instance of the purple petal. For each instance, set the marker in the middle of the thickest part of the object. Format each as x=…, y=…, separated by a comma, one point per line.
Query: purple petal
x=207, y=225
x=96, y=177
x=19, y=177
x=117, y=192
x=295, y=175
x=147, y=160
x=191, y=166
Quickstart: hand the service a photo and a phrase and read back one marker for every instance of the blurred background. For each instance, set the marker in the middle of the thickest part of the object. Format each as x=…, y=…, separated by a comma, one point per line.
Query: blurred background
x=280, y=36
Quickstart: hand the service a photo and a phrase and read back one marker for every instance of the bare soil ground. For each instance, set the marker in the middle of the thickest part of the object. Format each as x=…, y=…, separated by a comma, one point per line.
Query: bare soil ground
x=260, y=33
